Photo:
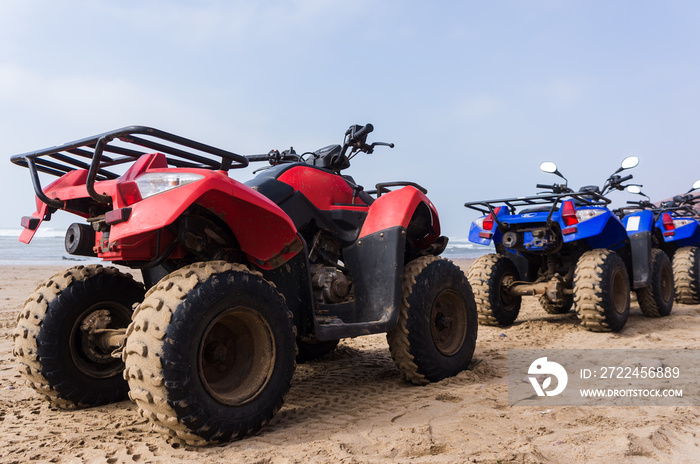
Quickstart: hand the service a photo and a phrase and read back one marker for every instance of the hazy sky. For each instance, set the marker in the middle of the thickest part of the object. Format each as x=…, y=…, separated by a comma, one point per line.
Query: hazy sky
x=475, y=94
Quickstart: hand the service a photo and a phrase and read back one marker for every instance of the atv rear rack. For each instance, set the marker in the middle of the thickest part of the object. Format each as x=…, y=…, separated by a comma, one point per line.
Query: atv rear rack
x=68, y=157
x=553, y=199
x=679, y=211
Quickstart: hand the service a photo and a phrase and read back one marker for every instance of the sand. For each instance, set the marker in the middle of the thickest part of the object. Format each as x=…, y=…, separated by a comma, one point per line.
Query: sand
x=352, y=406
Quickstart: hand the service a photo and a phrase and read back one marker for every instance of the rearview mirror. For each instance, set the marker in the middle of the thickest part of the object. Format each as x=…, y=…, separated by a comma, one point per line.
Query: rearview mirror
x=551, y=168
x=634, y=189
x=629, y=162
x=696, y=185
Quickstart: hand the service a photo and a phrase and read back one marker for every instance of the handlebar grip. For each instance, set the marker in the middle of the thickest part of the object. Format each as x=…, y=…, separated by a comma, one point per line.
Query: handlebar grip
x=363, y=132
x=258, y=157
x=626, y=178
x=629, y=202
x=545, y=186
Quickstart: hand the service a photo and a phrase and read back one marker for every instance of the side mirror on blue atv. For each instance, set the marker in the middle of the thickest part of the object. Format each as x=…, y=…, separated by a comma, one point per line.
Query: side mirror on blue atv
x=696, y=185
x=637, y=190
x=551, y=168
x=628, y=163
x=548, y=166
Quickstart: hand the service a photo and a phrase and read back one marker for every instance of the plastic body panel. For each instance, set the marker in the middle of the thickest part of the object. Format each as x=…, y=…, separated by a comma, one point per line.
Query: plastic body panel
x=602, y=231
x=686, y=235
x=264, y=232
x=396, y=208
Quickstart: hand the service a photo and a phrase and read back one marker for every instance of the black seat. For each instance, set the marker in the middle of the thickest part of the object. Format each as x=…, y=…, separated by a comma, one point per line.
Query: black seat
x=538, y=209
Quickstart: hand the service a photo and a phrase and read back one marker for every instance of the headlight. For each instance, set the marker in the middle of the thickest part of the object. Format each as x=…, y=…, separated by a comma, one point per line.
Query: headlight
x=586, y=214
x=153, y=183
x=681, y=222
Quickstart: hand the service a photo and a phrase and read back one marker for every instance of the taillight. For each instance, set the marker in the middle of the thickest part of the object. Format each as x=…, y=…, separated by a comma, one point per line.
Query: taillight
x=489, y=220
x=568, y=213
x=129, y=192
x=667, y=222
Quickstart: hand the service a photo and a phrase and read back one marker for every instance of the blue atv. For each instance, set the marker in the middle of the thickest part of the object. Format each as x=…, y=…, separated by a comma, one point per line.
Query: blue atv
x=570, y=249
x=676, y=231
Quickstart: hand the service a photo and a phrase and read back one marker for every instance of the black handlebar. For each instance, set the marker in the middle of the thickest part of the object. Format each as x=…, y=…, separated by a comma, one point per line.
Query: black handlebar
x=626, y=178
x=355, y=140
x=254, y=158
x=356, y=135
x=545, y=186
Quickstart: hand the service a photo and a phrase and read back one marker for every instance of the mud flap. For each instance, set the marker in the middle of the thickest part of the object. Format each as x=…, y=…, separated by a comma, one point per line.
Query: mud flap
x=375, y=263
x=640, y=245
x=292, y=280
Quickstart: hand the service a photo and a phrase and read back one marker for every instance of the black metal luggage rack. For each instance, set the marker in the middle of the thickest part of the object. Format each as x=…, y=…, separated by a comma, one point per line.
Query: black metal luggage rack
x=683, y=211
x=588, y=198
x=679, y=211
x=69, y=157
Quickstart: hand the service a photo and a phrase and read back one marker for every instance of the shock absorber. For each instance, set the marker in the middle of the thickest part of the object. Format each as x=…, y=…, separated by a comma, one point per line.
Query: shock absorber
x=551, y=266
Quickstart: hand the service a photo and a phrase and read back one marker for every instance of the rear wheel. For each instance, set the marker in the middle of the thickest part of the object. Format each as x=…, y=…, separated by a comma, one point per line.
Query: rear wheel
x=60, y=336
x=435, y=335
x=686, y=275
x=601, y=291
x=210, y=353
x=489, y=277
x=656, y=300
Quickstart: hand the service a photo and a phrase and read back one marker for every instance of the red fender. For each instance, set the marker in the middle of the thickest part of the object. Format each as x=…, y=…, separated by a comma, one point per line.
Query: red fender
x=396, y=208
x=264, y=232
x=69, y=186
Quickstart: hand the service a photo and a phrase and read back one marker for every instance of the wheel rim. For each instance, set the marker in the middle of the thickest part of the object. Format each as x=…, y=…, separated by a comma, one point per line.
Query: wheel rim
x=620, y=292
x=448, y=322
x=89, y=356
x=666, y=283
x=236, y=356
x=508, y=301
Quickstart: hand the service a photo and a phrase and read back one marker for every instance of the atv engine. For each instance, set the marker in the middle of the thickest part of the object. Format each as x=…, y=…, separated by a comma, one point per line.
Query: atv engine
x=531, y=239
x=329, y=282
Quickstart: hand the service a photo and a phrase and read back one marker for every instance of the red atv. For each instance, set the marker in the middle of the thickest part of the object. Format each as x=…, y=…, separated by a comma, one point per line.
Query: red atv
x=243, y=279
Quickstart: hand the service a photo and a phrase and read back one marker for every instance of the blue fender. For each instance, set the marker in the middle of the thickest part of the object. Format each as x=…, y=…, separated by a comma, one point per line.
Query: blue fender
x=483, y=237
x=687, y=234
x=602, y=231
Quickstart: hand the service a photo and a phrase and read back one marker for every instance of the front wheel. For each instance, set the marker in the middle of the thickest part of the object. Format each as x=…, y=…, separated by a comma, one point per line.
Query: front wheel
x=601, y=291
x=686, y=275
x=656, y=300
x=210, y=353
x=489, y=277
x=435, y=335
x=60, y=335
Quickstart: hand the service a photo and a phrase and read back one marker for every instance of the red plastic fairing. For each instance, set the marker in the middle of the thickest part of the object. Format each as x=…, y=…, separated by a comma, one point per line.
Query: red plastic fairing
x=27, y=234
x=67, y=187
x=396, y=209
x=264, y=232
x=322, y=188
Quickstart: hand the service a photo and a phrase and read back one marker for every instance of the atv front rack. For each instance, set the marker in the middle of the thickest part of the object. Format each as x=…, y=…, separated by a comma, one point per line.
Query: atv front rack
x=551, y=200
x=68, y=157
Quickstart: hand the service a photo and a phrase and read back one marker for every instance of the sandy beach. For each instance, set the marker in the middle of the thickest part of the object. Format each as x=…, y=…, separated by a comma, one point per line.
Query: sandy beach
x=352, y=407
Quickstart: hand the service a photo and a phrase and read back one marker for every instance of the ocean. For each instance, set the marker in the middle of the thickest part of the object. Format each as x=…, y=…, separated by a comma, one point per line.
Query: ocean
x=47, y=249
